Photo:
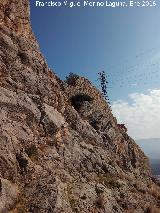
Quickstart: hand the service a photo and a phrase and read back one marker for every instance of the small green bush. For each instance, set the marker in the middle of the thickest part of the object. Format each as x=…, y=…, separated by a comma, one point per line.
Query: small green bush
x=71, y=79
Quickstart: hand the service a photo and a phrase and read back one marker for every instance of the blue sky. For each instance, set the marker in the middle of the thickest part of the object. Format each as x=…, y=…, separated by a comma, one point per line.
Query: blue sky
x=124, y=42
x=87, y=40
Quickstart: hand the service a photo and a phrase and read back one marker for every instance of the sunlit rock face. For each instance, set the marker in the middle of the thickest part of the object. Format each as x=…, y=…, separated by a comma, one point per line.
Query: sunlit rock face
x=61, y=149
x=14, y=14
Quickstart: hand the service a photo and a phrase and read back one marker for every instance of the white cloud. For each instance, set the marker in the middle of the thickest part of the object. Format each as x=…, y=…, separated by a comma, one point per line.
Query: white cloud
x=142, y=117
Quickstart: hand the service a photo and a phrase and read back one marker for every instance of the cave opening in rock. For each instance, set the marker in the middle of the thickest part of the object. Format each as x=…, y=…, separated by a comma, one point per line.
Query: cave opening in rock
x=78, y=100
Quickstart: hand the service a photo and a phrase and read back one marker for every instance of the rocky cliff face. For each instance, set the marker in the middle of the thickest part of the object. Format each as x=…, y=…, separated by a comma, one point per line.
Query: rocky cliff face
x=61, y=149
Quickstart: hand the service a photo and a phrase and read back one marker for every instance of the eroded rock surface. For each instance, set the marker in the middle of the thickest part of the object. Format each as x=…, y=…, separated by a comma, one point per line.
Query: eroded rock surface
x=61, y=149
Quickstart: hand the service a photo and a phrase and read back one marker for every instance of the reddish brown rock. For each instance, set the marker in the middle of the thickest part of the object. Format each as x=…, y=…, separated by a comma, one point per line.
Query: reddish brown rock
x=61, y=149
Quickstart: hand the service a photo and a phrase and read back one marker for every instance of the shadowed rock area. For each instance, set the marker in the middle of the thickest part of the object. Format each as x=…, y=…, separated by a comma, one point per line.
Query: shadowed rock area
x=61, y=149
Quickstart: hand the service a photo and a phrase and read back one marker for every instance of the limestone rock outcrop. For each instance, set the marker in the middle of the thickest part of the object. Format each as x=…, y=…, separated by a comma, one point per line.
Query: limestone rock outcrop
x=61, y=149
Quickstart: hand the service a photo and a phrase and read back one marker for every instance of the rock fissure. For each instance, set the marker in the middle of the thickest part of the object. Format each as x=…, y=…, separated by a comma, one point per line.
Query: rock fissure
x=42, y=115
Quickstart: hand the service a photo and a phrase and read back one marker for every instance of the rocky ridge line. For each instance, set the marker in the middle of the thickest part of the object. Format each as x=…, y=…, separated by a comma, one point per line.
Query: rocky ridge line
x=61, y=149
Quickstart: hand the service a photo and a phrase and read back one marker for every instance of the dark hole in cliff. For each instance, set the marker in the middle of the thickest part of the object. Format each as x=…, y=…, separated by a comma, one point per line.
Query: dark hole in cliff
x=100, y=201
x=22, y=162
x=7, y=11
x=78, y=100
x=24, y=57
x=32, y=151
